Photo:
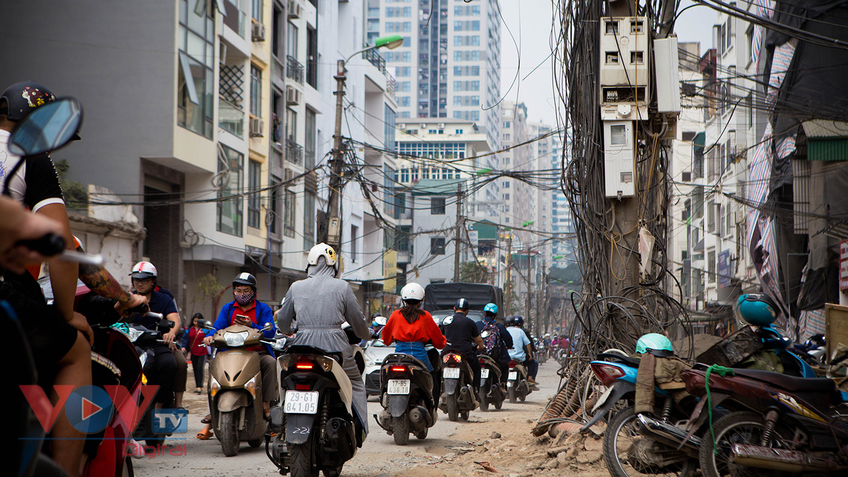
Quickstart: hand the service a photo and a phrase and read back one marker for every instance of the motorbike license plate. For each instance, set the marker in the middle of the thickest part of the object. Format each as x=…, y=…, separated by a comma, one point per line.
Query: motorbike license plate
x=398, y=386
x=484, y=373
x=513, y=375
x=602, y=399
x=301, y=402
x=451, y=373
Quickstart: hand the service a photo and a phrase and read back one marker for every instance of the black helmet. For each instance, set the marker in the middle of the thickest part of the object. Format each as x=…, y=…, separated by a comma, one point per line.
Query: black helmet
x=245, y=278
x=22, y=98
x=461, y=304
x=518, y=320
x=509, y=321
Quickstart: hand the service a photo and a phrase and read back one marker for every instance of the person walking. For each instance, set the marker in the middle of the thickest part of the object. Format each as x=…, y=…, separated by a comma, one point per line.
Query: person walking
x=193, y=344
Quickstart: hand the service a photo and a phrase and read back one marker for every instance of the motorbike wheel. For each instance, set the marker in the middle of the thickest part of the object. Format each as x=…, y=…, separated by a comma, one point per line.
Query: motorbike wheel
x=422, y=434
x=254, y=443
x=619, y=439
x=512, y=395
x=453, y=408
x=400, y=430
x=522, y=396
x=228, y=426
x=301, y=460
x=498, y=404
x=736, y=427
x=464, y=415
x=484, y=400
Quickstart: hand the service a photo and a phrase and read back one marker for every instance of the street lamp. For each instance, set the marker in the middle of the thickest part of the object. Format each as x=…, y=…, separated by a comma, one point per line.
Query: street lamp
x=331, y=230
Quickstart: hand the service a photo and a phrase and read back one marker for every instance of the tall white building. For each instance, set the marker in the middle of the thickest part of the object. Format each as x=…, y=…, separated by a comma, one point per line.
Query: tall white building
x=562, y=247
x=449, y=64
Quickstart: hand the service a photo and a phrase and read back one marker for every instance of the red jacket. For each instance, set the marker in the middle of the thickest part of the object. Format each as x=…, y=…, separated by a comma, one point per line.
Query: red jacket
x=195, y=336
x=424, y=329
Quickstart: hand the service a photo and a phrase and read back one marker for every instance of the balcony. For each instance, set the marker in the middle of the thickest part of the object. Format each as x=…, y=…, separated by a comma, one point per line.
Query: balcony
x=230, y=118
x=391, y=84
x=375, y=59
x=294, y=152
x=294, y=70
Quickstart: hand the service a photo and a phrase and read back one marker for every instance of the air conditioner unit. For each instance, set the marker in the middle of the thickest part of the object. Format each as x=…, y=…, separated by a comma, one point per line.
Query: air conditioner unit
x=441, y=125
x=257, y=32
x=295, y=10
x=257, y=127
x=401, y=126
x=292, y=95
x=423, y=126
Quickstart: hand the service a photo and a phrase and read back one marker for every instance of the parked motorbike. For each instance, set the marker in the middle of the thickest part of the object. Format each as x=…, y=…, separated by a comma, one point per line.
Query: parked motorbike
x=235, y=388
x=517, y=385
x=406, y=397
x=458, y=393
x=778, y=423
x=490, y=383
x=316, y=427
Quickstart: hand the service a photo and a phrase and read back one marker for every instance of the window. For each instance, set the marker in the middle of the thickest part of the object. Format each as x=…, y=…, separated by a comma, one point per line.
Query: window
x=230, y=165
x=437, y=245
x=354, y=234
x=506, y=197
x=505, y=184
x=309, y=146
x=291, y=41
x=312, y=56
x=275, y=207
x=291, y=125
x=196, y=81
x=289, y=213
x=437, y=206
x=308, y=220
x=389, y=117
x=255, y=91
x=254, y=181
x=256, y=11
x=711, y=275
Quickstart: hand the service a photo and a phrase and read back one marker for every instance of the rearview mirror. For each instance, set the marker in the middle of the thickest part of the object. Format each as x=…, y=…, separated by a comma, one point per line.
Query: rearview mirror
x=47, y=128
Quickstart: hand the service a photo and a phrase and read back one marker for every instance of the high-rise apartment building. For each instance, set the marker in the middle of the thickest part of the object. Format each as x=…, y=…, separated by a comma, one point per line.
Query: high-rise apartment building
x=449, y=64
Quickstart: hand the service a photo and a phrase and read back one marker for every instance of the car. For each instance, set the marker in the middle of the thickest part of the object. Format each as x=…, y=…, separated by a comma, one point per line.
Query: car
x=440, y=315
x=375, y=352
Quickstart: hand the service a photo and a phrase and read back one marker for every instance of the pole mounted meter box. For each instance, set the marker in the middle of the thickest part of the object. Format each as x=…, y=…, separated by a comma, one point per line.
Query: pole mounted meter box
x=625, y=74
x=619, y=163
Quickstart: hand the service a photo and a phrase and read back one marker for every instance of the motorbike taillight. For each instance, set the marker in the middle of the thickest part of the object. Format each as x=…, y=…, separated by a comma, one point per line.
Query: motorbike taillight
x=482, y=362
x=452, y=357
x=397, y=369
x=303, y=365
x=511, y=364
x=607, y=373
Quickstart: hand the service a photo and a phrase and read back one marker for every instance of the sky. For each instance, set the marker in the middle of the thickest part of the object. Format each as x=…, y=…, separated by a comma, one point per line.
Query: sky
x=529, y=22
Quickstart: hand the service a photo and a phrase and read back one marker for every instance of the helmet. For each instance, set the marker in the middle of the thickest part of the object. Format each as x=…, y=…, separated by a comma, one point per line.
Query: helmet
x=518, y=320
x=654, y=342
x=378, y=320
x=757, y=309
x=326, y=251
x=22, y=98
x=509, y=321
x=244, y=278
x=461, y=304
x=144, y=270
x=547, y=335
x=491, y=308
x=412, y=291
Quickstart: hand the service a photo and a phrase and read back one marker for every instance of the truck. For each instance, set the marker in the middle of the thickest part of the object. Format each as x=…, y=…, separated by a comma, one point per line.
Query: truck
x=439, y=299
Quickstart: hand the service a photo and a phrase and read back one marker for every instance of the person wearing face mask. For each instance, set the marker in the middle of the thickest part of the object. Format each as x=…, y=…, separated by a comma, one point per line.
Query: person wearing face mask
x=246, y=310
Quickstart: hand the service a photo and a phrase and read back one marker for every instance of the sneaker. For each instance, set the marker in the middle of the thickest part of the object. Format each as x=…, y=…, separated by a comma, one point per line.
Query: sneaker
x=134, y=449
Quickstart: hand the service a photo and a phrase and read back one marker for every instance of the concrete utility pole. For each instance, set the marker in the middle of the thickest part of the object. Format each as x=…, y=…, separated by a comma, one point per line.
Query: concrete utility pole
x=508, y=286
x=331, y=230
x=529, y=298
x=457, y=235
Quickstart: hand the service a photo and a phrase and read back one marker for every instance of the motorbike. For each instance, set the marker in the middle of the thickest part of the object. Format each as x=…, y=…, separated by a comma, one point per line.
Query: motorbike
x=235, y=387
x=490, y=383
x=315, y=425
x=517, y=386
x=458, y=393
x=144, y=342
x=406, y=397
x=777, y=423
x=541, y=352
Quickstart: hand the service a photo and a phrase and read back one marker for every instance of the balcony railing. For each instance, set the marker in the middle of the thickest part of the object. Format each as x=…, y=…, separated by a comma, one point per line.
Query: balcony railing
x=391, y=84
x=294, y=152
x=294, y=70
x=375, y=59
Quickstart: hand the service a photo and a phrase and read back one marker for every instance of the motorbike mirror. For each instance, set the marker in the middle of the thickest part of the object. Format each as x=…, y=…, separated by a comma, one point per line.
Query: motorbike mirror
x=47, y=128
x=267, y=326
x=381, y=320
x=204, y=324
x=166, y=323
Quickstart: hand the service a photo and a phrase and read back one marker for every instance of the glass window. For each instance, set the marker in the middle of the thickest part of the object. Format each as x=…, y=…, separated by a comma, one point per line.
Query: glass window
x=437, y=245
x=230, y=168
x=291, y=41
x=437, y=206
x=256, y=11
x=290, y=202
x=196, y=81
x=255, y=91
x=309, y=219
x=291, y=125
x=354, y=235
x=618, y=135
x=389, y=128
x=254, y=184
x=309, y=147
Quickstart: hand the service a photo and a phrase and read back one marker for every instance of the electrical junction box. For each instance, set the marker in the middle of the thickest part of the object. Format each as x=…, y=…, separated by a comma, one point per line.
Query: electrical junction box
x=666, y=63
x=625, y=75
x=619, y=161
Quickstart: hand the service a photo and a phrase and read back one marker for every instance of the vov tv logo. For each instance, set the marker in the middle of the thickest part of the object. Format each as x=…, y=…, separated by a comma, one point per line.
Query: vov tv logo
x=90, y=409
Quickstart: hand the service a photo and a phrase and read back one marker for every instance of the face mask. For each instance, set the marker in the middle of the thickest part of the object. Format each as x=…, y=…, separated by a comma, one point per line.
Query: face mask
x=243, y=299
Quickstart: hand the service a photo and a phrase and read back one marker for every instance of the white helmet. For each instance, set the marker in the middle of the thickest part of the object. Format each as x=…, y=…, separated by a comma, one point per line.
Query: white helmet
x=144, y=270
x=323, y=250
x=412, y=291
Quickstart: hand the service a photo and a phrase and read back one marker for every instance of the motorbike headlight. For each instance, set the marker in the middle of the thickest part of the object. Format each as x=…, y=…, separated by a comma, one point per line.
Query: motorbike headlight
x=235, y=339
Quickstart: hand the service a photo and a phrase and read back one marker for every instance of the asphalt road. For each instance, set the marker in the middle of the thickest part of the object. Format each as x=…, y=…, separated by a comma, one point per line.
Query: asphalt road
x=379, y=455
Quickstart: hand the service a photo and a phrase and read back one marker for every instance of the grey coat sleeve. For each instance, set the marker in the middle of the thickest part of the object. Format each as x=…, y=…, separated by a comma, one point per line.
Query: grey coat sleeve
x=354, y=316
x=285, y=314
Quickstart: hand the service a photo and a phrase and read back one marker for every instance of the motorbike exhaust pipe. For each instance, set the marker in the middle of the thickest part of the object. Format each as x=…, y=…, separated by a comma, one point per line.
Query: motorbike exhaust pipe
x=419, y=417
x=782, y=459
x=665, y=432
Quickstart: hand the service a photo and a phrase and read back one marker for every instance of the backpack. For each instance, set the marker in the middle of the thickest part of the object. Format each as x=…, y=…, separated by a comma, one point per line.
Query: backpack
x=492, y=341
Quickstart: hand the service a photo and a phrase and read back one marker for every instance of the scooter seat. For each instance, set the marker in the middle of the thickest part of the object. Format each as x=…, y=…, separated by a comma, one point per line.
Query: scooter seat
x=302, y=349
x=397, y=358
x=789, y=383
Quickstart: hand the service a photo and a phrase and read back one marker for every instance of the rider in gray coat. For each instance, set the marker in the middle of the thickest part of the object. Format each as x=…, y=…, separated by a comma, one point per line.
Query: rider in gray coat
x=320, y=304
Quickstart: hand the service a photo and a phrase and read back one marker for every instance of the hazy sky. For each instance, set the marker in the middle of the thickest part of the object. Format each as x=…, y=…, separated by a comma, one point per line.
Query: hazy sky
x=530, y=21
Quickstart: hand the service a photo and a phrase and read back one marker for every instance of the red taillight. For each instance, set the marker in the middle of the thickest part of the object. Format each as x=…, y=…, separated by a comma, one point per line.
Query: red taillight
x=511, y=364
x=302, y=387
x=607, y=373
x=397, y=369
x=305, y=365
x=482, y=362
x=452, y=357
